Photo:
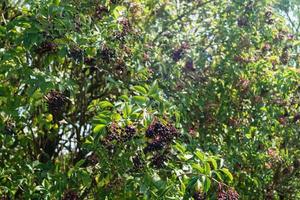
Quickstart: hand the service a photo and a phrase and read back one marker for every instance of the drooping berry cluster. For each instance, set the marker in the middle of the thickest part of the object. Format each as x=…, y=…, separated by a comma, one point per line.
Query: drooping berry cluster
x=243, y=21
x=70, y=195
x=46, y=47
x=284, y=57
x=126, y=28
x=179, y=52
x=9, y=128
x=92, y=159
x=137, y=162
x=268, y=17
x=158, y=160
x=76, y=54
x=225, y=193
x=296, y=117
x=199, y=196
x=106, y=54
x=56, y=103
x=101, y=11
x=161, y=136
x=189, y=65
x=117, y=134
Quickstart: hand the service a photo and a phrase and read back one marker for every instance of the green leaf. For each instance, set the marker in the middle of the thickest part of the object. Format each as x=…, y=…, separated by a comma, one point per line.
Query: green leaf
x=197, y=167
x=213, y=162
x=140, y=89
x=140, y=99
x=105, y=104
x=180, y=147
x=227, y=173
x=207, y=183
x=153, y=89
x=98, y=128
x=207, y=168
x=200, y=155
x=79, y=163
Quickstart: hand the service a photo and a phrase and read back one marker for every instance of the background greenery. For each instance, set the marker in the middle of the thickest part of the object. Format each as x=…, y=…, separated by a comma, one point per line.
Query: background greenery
x=149, y=99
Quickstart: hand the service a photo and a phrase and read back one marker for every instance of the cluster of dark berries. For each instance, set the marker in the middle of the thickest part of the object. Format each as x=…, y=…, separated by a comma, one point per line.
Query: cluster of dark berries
x=92, y=159
x=268, y=17
x=296, y=163
x=137, y=162
x=243, y=84
x=189, y=65
x=106, y=54
x=199, y=196
x=119, y=66
x=70, y=195
x=101, y=11
x=89, y=61
x=114, y=1
x=266, y=47
x=225, y=193
x=76, y=54
x=46, y=47
x=179, y=52
x=296, y=117
x=56, y=103
x=284, y=57
x=243, y=21
x=158, y=160
x=119, y=134
x=161, y=136
x=242, y=60
x=126, y=28
x=9, y=128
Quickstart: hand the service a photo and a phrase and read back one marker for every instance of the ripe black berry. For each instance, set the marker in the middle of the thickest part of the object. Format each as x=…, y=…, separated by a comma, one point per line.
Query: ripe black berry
x=56, y=103
x=179, y=52
x=162, y=136
x=90, y=61
x=199, y=196
x=106, y=54
x=189, y=65
x=150, y=133
x=297, y=117
x=137, y=163
x=129, y=133
x=70, y=195
x=76, y=54
x=284, y=58
x=46, y=47
x=101, y=11
x=242, y=21
x=158, y=160
x=296, y=163
x=268, y=17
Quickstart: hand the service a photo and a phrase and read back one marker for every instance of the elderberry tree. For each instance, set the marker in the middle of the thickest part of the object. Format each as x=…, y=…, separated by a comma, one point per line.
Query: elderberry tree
x=148, y=99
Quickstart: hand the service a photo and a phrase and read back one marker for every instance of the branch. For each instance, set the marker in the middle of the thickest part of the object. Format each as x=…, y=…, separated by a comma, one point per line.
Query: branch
x=182, y=15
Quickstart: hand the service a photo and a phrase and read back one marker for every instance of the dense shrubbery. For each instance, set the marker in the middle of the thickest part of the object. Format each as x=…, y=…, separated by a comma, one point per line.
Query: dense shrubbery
x=149, y=99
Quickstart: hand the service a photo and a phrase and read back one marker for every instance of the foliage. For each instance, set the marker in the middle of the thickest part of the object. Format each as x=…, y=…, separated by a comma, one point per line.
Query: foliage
x=152, y=99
